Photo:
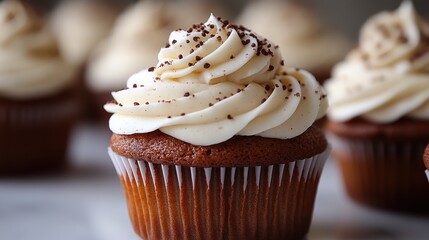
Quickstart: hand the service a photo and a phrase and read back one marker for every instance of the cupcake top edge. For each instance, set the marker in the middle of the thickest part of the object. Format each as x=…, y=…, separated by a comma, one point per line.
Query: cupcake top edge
x=216, y=80
x=386, y=77
x=30, y=62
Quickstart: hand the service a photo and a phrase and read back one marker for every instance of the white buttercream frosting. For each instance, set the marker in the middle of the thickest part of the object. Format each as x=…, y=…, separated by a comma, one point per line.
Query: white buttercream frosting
x=30, y=63
x=304, y=41
x=216, y=80
x=387, y=76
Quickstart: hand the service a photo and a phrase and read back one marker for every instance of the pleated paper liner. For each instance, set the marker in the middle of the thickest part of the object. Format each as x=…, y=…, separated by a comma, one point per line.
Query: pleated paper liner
x=262, y=202
x=384, y=174
x=34, y=135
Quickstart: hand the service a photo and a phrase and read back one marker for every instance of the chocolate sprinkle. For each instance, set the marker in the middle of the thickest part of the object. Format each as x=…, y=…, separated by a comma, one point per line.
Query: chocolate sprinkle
x=267, y=87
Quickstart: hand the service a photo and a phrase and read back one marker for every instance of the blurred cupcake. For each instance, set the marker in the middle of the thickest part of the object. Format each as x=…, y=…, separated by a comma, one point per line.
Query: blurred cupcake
x=298, y=31
x=134, y=43
x=379, y=112
x=426, y=160
x=218, y=140
x=80, y=25
x=38, y=103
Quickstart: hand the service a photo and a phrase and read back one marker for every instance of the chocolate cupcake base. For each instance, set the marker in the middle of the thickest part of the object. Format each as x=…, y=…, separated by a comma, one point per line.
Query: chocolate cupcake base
x=183, y=202
x=385, y=174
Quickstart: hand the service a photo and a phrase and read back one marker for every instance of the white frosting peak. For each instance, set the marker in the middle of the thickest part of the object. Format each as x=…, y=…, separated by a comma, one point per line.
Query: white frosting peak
x=217, y=51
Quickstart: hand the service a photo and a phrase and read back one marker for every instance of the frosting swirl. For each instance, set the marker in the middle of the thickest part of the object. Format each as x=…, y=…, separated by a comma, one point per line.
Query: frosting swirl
x=387, y=76
x=221, y=79
x=390, y=38
x=30, y=63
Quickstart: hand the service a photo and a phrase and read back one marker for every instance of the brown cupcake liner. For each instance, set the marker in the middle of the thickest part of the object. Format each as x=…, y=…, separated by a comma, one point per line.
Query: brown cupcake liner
x=34, y=135
x=261, y=202
x=382, y=173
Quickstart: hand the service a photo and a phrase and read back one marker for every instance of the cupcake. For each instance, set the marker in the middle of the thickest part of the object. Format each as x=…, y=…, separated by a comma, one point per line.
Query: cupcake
x=218, y=140
x=38, y=103
x=426, y=160
x=378, y=116
x=302, y=38
x=133, y=45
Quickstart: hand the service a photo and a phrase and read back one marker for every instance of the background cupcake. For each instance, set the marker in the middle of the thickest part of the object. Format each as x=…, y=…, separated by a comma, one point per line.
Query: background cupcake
x=303, y=39
x=378, y=116
x=217, y=141
x=137, y=36
x=38, y=103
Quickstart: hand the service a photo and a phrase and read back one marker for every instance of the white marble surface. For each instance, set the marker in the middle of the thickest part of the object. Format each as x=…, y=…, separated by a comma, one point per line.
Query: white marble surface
x=87, y=203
